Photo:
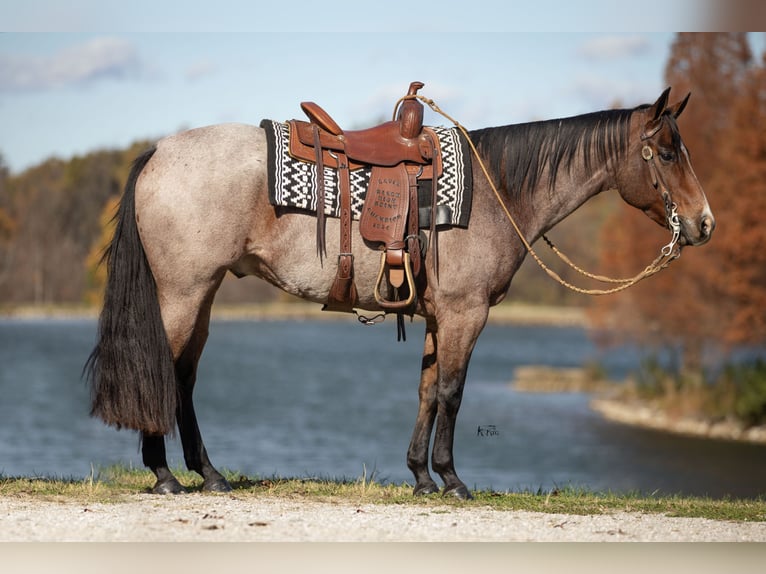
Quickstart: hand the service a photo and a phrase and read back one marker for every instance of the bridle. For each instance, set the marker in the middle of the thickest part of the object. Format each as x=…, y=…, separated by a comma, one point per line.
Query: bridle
x=671, y=209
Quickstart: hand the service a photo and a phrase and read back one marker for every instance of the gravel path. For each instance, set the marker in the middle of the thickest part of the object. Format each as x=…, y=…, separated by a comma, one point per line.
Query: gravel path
x=199, y=517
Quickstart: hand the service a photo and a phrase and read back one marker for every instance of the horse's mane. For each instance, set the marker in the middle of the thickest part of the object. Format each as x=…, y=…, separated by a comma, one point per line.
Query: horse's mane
x=520, y=153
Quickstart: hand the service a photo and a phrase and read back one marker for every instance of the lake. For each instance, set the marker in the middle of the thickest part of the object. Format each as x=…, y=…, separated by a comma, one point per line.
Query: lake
x=336, y=399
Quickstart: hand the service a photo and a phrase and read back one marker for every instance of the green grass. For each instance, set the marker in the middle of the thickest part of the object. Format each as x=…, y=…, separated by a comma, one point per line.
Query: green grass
x=118, y=484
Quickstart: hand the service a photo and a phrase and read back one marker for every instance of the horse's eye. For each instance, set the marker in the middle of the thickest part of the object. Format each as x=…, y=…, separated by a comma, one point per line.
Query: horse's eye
x=667, y=156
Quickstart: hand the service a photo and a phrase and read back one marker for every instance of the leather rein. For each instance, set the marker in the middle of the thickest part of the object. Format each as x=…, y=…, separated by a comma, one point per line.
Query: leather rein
x=667, y=254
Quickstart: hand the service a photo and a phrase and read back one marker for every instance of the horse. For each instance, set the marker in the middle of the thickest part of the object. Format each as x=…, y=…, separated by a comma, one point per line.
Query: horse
x=195, y=206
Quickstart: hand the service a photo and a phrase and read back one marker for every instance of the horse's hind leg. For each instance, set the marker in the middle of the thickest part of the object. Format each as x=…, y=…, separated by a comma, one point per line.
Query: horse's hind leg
x=195, y=453
x=153, y=451
x=186, y=322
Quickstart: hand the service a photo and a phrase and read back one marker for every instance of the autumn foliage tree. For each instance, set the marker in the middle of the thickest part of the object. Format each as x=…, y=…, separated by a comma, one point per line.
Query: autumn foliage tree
x=740, y=250
x=7, y=224
x=94, y=262
x=53, y=212
x=713, y=295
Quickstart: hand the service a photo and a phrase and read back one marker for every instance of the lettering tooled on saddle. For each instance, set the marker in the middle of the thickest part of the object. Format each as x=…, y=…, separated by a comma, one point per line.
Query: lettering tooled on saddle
x=385, y=208
x=400, y=153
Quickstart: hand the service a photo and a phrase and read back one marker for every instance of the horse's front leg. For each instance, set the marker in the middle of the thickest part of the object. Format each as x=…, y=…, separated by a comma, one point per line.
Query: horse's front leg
x=417, y=455
x=456, y=337
x=449, y=397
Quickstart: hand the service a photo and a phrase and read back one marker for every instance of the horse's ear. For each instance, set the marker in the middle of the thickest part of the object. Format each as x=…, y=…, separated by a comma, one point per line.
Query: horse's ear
x=678, y=107
x=660, y=105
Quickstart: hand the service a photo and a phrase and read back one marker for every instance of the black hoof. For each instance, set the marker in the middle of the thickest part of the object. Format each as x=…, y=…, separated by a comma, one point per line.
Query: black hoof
x=170, y=486
x=217, y=485
x=460, y=491
x=425, y=489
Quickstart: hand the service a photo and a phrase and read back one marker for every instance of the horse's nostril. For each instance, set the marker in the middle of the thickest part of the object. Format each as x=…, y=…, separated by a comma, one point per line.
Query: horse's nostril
x=707, y=225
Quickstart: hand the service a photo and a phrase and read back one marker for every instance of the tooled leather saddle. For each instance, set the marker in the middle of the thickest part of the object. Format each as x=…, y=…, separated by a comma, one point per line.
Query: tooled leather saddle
x=400, y=153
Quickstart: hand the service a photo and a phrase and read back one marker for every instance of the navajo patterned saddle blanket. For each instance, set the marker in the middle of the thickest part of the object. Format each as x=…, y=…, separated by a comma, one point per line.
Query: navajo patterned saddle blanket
x=293, y=183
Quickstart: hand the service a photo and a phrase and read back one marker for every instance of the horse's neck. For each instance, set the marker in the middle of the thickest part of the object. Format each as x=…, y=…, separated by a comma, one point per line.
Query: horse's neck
x=550, y=206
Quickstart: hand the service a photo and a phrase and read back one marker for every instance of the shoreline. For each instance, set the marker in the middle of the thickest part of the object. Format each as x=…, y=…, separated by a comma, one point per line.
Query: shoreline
x=503, y=314
x=651, y=418
x=606, y=402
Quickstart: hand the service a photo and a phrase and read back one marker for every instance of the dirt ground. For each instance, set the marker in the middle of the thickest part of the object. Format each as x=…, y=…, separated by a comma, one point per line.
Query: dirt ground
x=198, y=517
x=198, y=533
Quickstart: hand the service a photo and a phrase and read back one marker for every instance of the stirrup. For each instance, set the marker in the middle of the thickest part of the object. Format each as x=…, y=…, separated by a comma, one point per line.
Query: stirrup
x=395, y=305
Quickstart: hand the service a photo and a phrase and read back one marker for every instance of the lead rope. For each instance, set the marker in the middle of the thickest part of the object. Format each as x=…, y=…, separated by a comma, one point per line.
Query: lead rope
x=667, y=254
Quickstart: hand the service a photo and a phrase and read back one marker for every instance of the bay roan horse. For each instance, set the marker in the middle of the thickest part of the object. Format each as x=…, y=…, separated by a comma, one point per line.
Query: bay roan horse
x=196, y=206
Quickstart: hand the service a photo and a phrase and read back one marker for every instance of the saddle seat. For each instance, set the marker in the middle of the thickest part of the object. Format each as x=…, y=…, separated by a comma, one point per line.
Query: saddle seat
x=386, y=144
x=379, y=145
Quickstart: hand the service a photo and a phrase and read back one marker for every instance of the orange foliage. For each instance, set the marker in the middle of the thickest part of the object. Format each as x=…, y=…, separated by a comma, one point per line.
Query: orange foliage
x=96, y=270
x=715, y=293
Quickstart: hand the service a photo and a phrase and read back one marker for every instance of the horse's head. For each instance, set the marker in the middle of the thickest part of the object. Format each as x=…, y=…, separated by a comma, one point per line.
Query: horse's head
x=660, y=180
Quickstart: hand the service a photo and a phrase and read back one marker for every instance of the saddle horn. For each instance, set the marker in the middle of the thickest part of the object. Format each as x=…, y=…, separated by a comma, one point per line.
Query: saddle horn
x=410, y=115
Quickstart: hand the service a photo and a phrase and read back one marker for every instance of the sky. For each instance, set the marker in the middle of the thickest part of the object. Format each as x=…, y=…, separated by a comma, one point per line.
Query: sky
x=79, y=83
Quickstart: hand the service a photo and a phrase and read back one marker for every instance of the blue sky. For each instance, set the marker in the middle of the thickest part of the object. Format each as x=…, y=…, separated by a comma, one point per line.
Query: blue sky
x=69, y=90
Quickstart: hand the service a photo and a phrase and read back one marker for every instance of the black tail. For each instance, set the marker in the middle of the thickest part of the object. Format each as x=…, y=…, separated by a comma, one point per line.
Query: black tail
x=131, y=372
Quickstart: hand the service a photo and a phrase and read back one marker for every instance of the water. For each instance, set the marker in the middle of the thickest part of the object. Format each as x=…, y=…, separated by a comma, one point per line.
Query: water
x=334, y=399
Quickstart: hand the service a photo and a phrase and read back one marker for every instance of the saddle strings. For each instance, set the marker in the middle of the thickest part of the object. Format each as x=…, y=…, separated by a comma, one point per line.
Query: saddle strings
x=660, y=263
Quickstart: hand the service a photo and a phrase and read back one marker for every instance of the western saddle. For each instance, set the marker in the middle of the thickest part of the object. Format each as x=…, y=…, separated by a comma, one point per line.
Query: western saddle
x=399, y=153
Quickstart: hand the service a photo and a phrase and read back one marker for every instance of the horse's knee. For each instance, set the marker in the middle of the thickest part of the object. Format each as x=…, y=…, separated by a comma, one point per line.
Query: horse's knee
x=449, y=396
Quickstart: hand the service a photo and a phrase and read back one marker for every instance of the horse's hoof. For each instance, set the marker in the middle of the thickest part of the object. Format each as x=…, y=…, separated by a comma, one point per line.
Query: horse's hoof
x=460, y=492
x=425, y=489
x=218, y=485
x=171, y=486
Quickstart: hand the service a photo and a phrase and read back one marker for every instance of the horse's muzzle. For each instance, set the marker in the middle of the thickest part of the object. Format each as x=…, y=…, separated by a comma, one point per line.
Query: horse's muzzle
x=697, y=233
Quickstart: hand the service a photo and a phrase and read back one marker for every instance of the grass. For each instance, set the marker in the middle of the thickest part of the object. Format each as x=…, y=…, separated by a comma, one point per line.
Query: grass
x=119, y=484
x=731, y=404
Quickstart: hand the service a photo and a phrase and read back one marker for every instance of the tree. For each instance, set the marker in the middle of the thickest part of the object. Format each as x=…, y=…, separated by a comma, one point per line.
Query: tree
x=54, y=211
x=740, y=251
x=712, y=67
x=681, y=308
x=95, y=268
x=7, y=224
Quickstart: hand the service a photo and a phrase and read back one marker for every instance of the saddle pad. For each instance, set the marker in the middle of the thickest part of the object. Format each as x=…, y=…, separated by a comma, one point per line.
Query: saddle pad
x=292, y=183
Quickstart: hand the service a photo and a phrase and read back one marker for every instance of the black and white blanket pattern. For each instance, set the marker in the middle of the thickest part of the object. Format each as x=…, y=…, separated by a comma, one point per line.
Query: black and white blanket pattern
x=292, y=183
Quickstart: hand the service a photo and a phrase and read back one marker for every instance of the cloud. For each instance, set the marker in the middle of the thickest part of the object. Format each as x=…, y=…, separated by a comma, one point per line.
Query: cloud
x=95, y=60
x=613, y=47
x=199, y=70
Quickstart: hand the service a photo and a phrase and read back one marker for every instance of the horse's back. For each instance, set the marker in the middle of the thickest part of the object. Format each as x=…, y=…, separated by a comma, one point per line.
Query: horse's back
x=216, y=159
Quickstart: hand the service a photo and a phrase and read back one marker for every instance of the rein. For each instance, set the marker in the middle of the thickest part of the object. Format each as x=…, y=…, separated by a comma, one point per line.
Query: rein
x=667, y=254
